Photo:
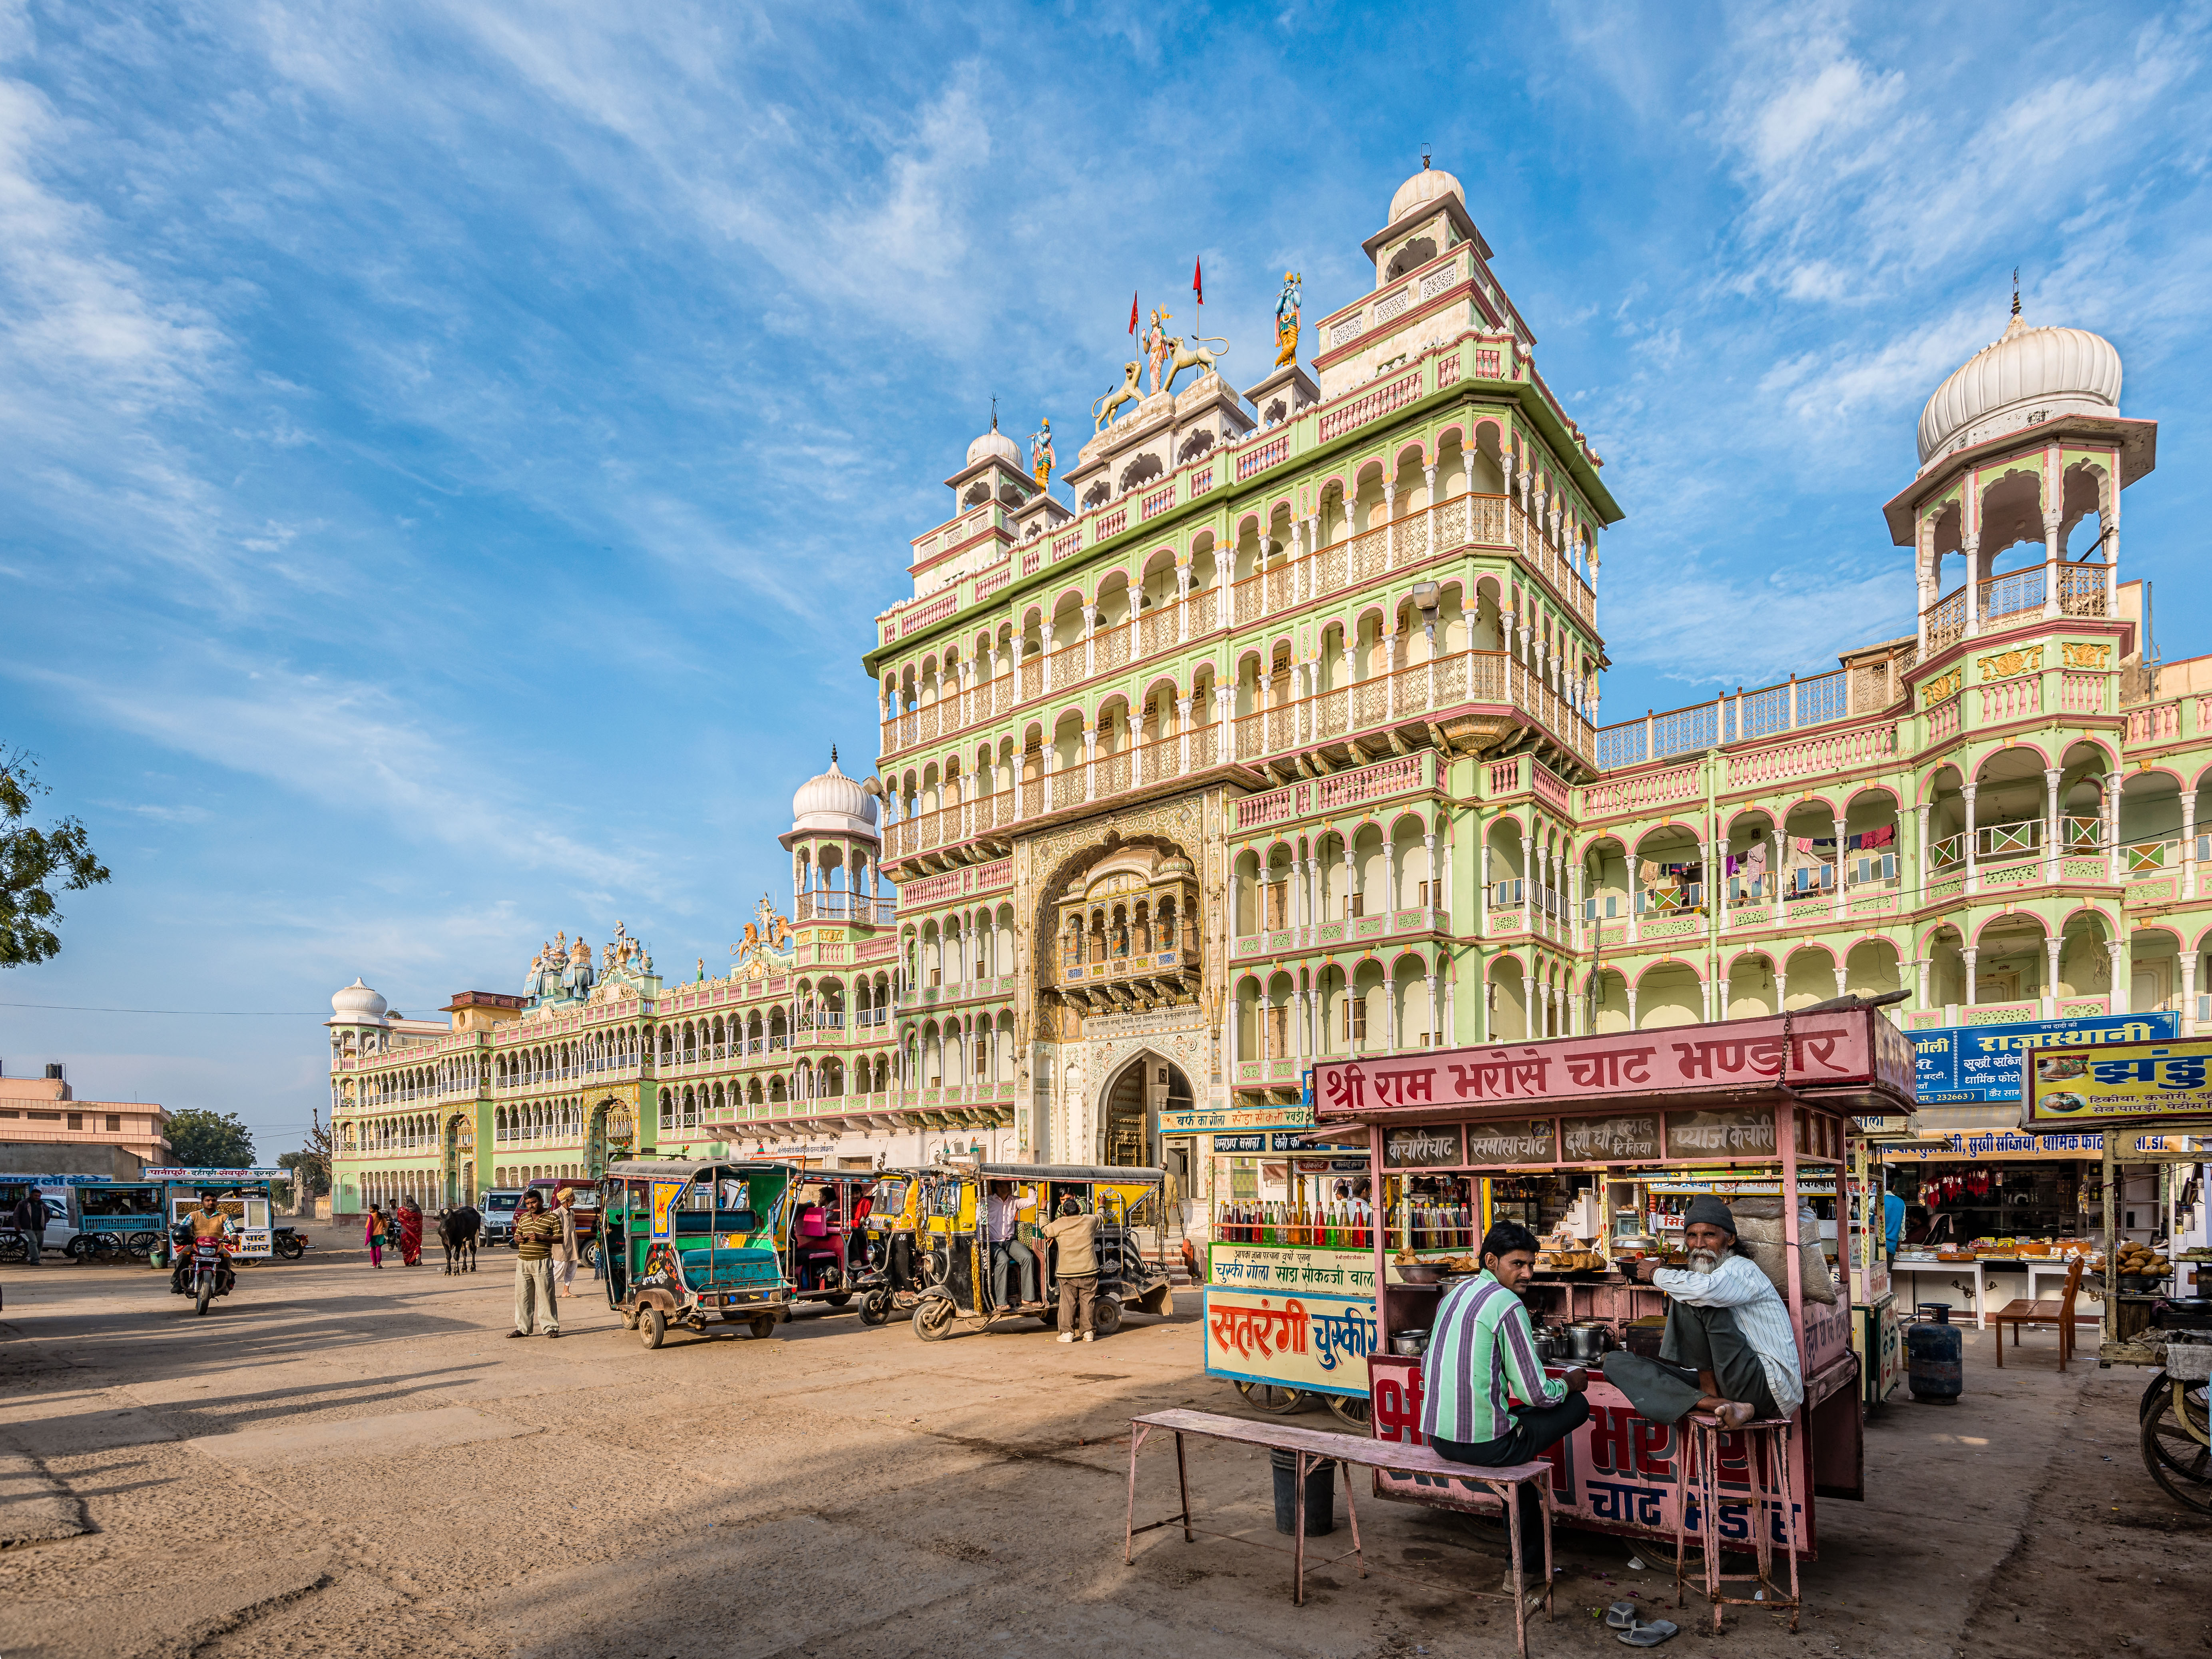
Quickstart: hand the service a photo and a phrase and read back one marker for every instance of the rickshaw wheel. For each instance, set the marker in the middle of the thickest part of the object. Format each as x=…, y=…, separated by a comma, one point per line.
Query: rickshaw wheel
x=652, y=1326
x=1276, y=1401
x=2177, y=1460
x=933, y=1318
x=875, y=1308
x=141, y=1245
x=763, y=1326
x=840, y=1299
x=1106, y=1314
x=1351, y=1408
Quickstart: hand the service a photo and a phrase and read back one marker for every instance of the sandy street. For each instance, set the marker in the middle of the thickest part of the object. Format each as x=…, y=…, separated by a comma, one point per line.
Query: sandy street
x=345, y=1461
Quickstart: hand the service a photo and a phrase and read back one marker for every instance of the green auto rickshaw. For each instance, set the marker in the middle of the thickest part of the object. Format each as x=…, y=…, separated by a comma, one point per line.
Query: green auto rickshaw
x=686, y=1240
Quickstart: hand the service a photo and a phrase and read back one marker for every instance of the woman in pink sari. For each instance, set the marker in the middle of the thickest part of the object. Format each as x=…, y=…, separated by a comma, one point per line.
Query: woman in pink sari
x=373, y=1235
x=410, y=1233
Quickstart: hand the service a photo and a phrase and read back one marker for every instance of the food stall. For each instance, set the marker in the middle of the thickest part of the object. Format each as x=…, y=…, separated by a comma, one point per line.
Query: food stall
x=1760, y=1109
x=244, y=1195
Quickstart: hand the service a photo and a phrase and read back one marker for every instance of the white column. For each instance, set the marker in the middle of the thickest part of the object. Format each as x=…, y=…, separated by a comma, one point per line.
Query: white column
x=1350, y=884
x=1182, y=734
x=1841, y=906
x=2123, y=998
x=1966, y=954
x=2189, y=844
x=1390, y=526
x=1920, y=848
x=1437, y=1039
x=1429, y=479
x=1631, y=989
x=1428, y=843
x=1973, y=870
x=2111, y=807
x=1529, y=882
x=2051, y=776
x=1927, y=966
x=1090, y=761
x=1482, y=896
x=2189, y=991
x=2051, y=947
x=1972, y=550
x=1530, y=1026
x=1776, y=872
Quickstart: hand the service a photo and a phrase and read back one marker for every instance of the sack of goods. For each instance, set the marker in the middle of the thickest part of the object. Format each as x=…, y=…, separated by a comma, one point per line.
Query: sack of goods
x=1760, y=1226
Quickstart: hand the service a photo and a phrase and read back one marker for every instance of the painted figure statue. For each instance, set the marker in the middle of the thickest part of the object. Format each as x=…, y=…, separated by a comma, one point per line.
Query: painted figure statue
x=1156, y=347
x=1040, y=455
x=1129, y=392
x=1287, y=306
x=1197, y=353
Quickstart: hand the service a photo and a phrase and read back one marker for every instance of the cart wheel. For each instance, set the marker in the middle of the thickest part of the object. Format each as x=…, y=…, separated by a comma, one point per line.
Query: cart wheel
x=142, y=1245
x=652, y=1326
x=933, y=1317
x=764, y=1326
x=876, y=1308
x=1350, y=1408
x=2176, y=1459
x=1106, y=1314
x=1275, y=1401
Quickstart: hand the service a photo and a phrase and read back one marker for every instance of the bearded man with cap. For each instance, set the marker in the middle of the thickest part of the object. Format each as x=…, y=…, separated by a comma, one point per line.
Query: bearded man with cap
x=1729, y=1349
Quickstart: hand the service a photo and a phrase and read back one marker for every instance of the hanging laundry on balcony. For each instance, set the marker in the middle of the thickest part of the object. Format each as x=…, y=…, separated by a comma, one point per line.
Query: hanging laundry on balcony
x=1869, y=838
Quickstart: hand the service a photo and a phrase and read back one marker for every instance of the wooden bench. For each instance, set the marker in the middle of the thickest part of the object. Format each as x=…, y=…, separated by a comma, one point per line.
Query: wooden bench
x=1313, y=1448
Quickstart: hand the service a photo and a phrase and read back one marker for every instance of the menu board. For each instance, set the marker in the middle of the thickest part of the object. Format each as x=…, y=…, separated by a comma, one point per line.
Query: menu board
x=1511, y=1141
x=2121, y=1083
x=1747, y=1133
x=1432, y=1146
x=1609, y=1140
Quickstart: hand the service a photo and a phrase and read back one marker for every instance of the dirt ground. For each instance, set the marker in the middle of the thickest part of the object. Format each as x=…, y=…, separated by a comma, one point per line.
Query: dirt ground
x=343, y=1461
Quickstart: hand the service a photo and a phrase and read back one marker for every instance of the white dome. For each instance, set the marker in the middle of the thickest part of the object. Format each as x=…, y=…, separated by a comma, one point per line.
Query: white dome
x=995, y=442
x=831, y=794
x=1428, y=184
x=357, y=1006
x=2044, y=372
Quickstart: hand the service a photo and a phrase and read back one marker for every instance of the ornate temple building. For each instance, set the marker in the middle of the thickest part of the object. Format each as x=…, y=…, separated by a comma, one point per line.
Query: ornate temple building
x=1279, y=738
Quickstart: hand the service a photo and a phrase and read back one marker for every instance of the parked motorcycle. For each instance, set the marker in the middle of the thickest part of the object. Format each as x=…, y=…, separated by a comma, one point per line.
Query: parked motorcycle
x=288, y=1245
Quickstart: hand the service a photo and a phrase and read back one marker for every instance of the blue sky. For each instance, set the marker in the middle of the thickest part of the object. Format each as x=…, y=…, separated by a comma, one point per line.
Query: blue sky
x=450, y=456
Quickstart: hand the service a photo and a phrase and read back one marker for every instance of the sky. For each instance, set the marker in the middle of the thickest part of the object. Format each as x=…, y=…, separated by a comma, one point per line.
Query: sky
x=451, y=456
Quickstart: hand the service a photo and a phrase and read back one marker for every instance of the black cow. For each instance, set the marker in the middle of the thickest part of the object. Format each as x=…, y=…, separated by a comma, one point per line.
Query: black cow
x=457, y=1230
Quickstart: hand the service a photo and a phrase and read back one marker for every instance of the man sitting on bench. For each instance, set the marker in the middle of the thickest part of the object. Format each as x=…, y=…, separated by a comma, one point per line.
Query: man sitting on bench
x=1729, y=1348
x=1482, y=1357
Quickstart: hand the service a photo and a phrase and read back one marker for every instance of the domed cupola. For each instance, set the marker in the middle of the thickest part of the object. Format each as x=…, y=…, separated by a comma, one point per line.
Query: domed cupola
x=2029, y=375
x=831, y=801
x=356, y=1005
x=1429, y=185
x=995, y=443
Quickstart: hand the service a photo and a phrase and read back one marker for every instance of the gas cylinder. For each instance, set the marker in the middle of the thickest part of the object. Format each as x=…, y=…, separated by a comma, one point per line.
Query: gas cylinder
x=1936, y=1352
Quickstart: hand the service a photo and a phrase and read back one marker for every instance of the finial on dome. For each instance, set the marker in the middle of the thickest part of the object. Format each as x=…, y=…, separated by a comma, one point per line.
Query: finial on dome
x=833, y=754
x=995, y=412
x=2015, y=290
x=1424, y=155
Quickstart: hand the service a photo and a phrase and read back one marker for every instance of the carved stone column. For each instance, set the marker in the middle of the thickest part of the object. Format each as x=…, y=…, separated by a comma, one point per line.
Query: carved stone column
x=1968, y=953
x=1973, y=868
x=2051, y=949
x=1390, y=526
x=1532, y=1025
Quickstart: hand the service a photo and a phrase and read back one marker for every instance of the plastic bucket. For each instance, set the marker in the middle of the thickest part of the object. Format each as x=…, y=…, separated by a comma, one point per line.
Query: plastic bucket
x=1321, y=1494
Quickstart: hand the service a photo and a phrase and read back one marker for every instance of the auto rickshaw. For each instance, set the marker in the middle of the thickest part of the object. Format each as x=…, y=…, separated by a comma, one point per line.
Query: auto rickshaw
x=825, y=1250
x=685, y=1240
x=896, y=1268
x=958, y=1252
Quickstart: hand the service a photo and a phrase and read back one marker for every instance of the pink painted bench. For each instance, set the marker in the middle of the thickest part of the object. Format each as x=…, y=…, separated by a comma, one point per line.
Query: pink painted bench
x=1313, y=1448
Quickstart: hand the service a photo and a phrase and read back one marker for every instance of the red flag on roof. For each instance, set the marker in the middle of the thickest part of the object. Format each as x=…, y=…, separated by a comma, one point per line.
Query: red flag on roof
x=1198, y=278
x=1132, y=312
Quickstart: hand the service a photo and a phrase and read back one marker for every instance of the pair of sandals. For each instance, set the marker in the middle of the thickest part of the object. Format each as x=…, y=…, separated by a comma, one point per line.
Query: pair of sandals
x=1635, y=1630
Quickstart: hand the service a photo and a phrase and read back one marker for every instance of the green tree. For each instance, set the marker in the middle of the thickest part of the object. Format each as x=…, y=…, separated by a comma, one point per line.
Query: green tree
x=201, y=1140
x=32, y=861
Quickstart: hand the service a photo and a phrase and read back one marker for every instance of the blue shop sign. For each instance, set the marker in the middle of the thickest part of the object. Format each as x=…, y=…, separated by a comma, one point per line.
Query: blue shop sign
x=1960, y=1064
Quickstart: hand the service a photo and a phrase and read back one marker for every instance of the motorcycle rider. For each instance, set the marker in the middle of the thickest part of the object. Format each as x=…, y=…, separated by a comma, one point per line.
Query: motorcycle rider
x=207, y=1222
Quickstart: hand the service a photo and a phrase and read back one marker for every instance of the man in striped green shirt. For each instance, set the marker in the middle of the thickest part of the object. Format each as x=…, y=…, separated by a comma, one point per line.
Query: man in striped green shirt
x=1482, y=1360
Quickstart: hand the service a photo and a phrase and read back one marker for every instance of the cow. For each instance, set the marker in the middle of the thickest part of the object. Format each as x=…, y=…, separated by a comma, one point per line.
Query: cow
x=457, y=1230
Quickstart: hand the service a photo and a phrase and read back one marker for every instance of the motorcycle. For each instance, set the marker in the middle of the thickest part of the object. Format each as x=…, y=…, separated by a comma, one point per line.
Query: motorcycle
x=289, y=1245
x=204, y=1274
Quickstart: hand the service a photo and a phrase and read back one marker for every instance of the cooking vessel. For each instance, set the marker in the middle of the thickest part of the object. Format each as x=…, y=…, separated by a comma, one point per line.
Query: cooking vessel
x=1411, y=1344
x=1549, y=1344
x=2183, y=1313
x=1586, y=1344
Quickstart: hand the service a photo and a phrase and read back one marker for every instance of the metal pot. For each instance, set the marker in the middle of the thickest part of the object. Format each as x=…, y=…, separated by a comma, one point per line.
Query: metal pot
x=1411, y=1344
x=1586, y=1344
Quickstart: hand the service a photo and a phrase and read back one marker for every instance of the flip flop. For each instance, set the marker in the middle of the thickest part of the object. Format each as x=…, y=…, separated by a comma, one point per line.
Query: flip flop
x=1621, y=1615
x=1648, y=1636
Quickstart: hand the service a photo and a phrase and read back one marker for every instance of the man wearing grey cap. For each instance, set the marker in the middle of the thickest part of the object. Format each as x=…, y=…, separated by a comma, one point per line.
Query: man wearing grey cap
x=1728, y=1349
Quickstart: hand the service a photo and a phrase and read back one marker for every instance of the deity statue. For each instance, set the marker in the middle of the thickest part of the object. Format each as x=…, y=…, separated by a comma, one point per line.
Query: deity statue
x=1040, y=455
x=702, y=970
x=1287, y=307
x=1156, y=347
x=607, y=958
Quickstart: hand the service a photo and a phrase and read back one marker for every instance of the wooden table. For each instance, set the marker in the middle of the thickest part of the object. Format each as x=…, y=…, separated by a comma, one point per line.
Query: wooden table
x=1315, y=1447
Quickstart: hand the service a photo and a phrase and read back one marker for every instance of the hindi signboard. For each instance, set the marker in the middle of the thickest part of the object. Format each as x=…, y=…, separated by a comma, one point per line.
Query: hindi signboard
x=1316, y=1341
x=1609, y=1140
x=1432, y=1147
x=1961, y=1065
x=1510, y=1140
x=1720, y=1134
x=2161, y=1084
x=1855, y=1052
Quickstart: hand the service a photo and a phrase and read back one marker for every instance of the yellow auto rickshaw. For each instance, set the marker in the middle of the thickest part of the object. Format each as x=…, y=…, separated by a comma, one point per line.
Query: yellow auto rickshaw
x=957, y=1258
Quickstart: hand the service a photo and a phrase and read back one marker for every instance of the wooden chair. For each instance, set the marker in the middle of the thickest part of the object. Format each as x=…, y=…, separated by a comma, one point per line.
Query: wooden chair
x=2020, y=1312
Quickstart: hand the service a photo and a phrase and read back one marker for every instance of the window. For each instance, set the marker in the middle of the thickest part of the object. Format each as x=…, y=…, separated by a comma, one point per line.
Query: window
x=76, y=1119
x=1355, y=906
x=1279, y=898
x=1423, y=900
x=1355, y=1017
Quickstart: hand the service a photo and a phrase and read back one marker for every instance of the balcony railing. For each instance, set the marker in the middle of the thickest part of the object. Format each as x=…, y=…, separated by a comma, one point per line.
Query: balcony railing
x=859, y=908
x=1737, y=717
x=1411, y=539
x=2017, y=593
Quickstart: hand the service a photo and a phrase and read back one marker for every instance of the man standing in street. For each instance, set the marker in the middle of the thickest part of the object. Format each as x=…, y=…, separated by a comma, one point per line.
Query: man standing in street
x=536, y=1233
x=564, y=1212
x=1003, y=1219
x=1076, y=1234
x=1892, y=1222
x=1728, y=1349
x=28, y=1218
x=1482, y=1357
